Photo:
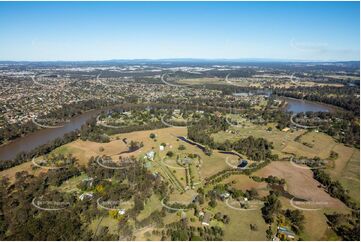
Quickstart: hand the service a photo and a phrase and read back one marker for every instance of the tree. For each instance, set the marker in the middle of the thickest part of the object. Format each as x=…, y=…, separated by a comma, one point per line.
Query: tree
x=208, y=151
x=253, y=227
x=297, y=219
x=212, y=203
x=269, y=232
x=152, y=136
x=138, y=204
x=271, y=207
x=226, y=219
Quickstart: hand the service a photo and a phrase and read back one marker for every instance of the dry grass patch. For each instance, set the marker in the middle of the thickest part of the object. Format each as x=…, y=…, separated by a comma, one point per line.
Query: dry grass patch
x=344, y=156
x=243, y=182
x=184, y=198
x=206, y=80
x=300, y=183
x=316, y=227
x=321, y=143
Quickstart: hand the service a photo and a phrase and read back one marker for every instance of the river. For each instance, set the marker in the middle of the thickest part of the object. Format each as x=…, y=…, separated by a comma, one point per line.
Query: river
x=43, y=136
x=299, y=105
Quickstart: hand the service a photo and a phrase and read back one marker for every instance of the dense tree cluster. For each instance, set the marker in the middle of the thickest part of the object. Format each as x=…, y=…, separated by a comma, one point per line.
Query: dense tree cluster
x=255, y=148
x=25, y=222
x=20, y=220
x=272, y=206
x=297, y=219
x=347, y=226
x=180, y=230
x=201, y=131
x=273, y=209
x=270, y=179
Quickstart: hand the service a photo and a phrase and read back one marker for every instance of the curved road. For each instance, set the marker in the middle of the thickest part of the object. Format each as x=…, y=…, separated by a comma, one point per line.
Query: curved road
x=239, y=209
x=45, y=126
x=171, y=84
x=300, y=125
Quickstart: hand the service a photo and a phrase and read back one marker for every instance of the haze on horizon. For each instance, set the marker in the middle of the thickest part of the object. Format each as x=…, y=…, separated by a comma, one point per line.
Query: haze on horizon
x=48, y=31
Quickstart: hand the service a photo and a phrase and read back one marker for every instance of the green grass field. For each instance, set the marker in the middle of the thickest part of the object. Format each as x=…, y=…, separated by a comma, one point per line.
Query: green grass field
x=152, y=204
x=106, y=221
x=239, y=225
x=350, y=176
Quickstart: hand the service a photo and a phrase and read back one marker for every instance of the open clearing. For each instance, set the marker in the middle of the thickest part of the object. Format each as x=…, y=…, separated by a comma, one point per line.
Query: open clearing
x=151, y=205
x=300, y=183
x=313, y=220
x=239, y=225
x=106, y=221
x=321, y=143
x=350, y=176
x=243, y=182
x=194, y=81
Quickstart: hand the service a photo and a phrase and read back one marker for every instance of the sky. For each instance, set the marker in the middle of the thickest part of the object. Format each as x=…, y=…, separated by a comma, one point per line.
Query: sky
x=43, y=31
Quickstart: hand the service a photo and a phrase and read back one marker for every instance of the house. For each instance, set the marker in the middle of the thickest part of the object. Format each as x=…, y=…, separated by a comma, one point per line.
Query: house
x=150, y=155
x=161, y=147
x=121, y=211
x=286, y=129
x=284, y=233
x=225, y=195
x=186, y=161
x=176, y=112
x=88, y=181
x=183, y=215
x=86, y=195
x=206, y=219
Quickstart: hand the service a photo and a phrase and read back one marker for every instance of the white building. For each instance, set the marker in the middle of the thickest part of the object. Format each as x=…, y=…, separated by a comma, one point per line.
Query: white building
x=121, y=211
x=150, y=155
x=85, y=195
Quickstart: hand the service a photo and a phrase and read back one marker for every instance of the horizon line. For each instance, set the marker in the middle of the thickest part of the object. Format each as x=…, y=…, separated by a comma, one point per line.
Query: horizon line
x=187, y=59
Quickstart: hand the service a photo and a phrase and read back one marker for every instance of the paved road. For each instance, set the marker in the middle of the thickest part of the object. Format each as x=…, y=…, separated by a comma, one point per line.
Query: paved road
x=300, y=125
